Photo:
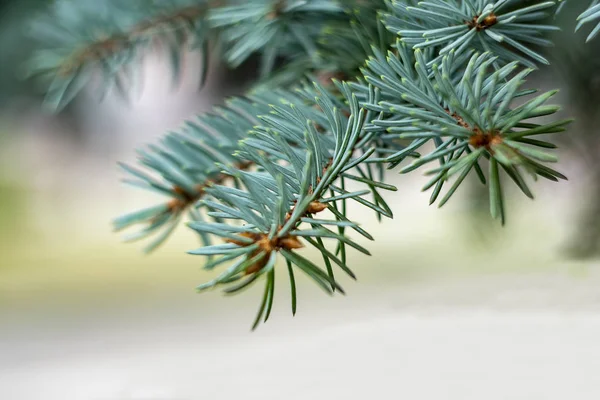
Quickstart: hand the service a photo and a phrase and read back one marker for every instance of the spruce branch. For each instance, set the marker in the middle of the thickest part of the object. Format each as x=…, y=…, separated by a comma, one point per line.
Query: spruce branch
x=470, y=121
x=185, y=165
x=482, y=25
x=110, y=38
x=274, y=29
x=185, y=182
x=267, y=216
x=189, y=161
x=341, y=47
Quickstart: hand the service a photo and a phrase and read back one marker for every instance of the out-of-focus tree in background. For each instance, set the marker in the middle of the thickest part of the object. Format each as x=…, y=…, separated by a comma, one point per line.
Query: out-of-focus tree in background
x=575, y=67
x=16, y=47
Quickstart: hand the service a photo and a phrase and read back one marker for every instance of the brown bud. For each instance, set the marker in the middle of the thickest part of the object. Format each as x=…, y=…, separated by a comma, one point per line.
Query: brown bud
x=316, y=207
x=490, y=20
x=175, y=205
x=258, y=265
x=290, y=243
x=486, y=140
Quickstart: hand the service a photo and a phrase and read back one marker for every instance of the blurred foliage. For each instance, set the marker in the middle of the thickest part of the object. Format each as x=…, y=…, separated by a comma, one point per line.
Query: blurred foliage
x=576, y=67
x=16, y=46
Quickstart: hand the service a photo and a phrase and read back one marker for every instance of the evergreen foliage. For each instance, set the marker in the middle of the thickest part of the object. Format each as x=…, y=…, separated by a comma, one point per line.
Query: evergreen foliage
x=457, y=25
x=468, y=115
x=589, y=15
x=265, y=175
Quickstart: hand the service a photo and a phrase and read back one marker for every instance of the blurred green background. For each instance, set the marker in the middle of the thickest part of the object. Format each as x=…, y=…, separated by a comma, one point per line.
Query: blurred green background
x=449, y=305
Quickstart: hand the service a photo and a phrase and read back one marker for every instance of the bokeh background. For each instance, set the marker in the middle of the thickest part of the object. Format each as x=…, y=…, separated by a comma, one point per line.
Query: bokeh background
x=450, y=306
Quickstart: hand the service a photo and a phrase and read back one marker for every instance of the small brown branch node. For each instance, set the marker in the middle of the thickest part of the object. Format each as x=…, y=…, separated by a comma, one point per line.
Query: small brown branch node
x=479, y=138
x=186, y=199
x=485, y=139
x=287, y=242
x=487, y=22
x=266, y=246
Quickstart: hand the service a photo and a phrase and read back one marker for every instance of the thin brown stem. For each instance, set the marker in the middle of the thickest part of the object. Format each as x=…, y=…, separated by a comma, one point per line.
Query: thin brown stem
x=111, y=45
x=186, y=199
x=479, y=138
